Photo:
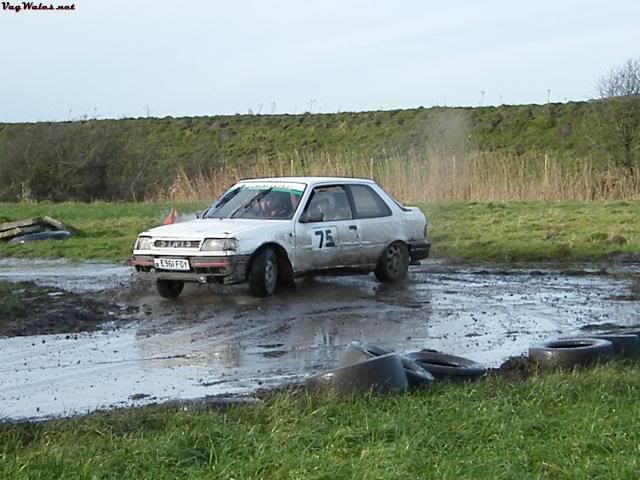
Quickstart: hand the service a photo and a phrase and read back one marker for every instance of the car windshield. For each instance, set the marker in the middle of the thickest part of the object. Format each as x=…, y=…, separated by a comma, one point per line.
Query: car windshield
x=264, y=201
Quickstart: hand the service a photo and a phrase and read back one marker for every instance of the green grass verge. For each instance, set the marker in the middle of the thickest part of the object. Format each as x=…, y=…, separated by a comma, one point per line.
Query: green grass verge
x=107, y=230
x=557, y=426
x=534, y=231
x=470, y=231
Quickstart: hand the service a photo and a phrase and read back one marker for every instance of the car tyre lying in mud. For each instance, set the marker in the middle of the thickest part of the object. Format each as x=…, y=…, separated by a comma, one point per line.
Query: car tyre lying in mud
x=623, y=331
x=169, y=288
x=393, y=264
x=623, y=344
x=417, y=377
x=381, y=374
x=358, y=351
x=263, y=273
x=568, y=353
x=447, y=367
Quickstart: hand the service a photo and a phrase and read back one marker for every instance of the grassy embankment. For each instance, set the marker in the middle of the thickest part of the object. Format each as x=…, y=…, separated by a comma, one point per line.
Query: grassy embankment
x=470, y=231
x=556, y=426
x=522, y=152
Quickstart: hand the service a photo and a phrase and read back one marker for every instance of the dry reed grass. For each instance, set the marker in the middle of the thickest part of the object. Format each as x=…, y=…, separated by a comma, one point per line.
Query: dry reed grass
x=430, y=176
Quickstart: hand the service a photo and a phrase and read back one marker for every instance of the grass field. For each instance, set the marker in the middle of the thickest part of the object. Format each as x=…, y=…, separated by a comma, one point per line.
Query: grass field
x=534, y=231
x=573, y=425
x=107, y=230
x=468, y=231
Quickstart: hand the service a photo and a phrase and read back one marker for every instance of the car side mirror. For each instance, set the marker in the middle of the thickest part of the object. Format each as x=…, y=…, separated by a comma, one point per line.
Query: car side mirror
x=312, y=217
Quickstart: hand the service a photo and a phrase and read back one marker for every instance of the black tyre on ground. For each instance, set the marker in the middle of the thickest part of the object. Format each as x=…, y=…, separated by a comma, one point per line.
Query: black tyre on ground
x=379, y=374
x=447, y=367
x=571, y=352
x=393, y=263
x=624, y=331
x=169, y=288
x=623, y=344
x=417, y=377
x=263, y=273
x=358, y=351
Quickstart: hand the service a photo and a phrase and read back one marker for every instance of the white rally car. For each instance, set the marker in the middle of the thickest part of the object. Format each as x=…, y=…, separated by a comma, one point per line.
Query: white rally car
x=272, y=230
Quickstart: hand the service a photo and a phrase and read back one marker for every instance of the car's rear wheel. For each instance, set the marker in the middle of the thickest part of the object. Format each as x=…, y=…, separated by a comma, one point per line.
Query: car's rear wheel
x=169, y=288
x=263, y=273
x=393, y=263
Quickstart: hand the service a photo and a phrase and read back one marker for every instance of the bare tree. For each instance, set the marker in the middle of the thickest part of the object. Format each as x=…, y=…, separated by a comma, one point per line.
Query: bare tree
x=620, y=90
x=621, y=82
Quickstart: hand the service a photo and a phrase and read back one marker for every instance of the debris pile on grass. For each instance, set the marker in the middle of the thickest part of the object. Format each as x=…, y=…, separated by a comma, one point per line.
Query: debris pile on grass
x=31, y=229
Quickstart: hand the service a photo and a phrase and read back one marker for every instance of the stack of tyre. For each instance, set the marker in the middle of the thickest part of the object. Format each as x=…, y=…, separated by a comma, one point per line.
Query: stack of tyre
x=368, y=368
x=568, y=353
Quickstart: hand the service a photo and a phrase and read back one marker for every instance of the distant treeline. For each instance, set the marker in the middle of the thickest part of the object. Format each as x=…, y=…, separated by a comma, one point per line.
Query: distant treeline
x=136, y=159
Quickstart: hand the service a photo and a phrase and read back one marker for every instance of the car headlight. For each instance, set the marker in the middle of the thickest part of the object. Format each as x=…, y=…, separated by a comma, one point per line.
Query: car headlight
x=219, y=245
x=143, y=243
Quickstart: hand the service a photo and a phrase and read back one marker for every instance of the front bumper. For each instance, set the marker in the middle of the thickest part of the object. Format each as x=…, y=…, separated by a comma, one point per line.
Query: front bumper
x=419, y=250
x=227, y=269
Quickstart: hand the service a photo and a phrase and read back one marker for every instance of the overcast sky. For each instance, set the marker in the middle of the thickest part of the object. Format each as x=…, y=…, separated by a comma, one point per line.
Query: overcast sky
x=132, y=58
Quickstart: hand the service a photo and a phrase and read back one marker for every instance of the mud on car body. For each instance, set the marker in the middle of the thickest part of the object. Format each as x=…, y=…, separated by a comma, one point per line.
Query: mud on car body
x=272, y=230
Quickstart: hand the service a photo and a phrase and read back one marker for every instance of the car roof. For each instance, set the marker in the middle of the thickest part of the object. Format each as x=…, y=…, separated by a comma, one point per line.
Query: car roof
x=310, y=180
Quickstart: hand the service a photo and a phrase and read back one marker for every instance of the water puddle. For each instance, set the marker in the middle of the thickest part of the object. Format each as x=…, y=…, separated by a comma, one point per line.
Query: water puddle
x=219, y=340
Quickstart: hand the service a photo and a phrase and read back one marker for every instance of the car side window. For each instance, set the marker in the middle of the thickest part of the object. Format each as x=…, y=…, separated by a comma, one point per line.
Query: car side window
x=368, y=203
x=327, y=204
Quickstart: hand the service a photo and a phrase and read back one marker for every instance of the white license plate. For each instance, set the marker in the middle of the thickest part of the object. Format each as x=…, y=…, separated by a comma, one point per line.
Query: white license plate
x=172, y=264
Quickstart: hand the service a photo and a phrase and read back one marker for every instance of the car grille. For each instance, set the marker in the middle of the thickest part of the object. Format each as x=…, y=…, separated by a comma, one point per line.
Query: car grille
x=183, y=244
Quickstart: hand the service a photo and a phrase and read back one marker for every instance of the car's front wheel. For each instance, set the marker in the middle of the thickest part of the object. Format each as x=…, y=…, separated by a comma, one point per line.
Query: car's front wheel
x=263, y=273
x=393, y=263
x=169, y=288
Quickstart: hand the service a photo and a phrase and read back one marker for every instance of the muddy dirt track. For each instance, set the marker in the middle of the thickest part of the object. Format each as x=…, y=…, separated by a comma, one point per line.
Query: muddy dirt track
x=218, y=340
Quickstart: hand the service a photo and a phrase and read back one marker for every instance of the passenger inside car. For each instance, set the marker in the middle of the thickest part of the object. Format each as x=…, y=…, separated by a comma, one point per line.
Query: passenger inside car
x=332, y=203
x=340, y=209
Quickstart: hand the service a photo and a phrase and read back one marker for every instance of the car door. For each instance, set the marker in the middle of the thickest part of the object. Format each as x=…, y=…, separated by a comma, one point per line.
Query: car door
x=375, y=222
x=326, y=235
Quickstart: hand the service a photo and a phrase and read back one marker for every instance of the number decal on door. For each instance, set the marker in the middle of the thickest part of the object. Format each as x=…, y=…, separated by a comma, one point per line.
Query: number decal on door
x=324, y=238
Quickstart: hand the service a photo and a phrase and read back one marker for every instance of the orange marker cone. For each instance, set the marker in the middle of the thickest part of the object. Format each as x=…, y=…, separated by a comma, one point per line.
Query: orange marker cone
x=171, y=218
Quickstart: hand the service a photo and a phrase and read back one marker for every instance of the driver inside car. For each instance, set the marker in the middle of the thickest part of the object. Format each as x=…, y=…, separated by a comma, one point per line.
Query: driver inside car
x=275, y=206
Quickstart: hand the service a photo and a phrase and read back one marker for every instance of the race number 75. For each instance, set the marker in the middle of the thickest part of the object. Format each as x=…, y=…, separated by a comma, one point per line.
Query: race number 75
x=324, y=238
